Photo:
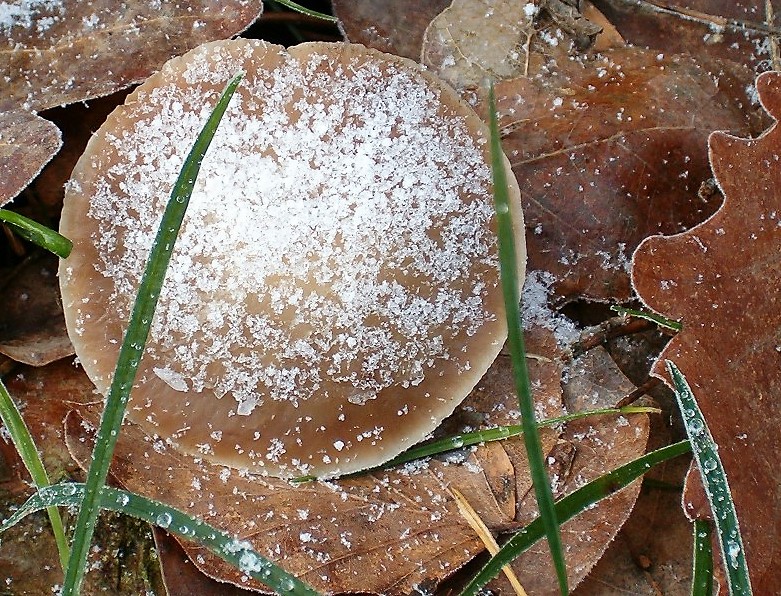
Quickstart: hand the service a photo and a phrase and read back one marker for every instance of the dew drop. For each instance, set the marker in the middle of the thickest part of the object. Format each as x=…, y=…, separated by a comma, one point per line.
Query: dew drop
x=733, y=552
x=709, y=464
x=286, y=584
x=696, y=426
x=164, y=520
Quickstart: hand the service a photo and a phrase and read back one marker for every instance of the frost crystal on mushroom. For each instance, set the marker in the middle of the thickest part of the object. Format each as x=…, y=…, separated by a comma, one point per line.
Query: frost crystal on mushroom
x=334, y=290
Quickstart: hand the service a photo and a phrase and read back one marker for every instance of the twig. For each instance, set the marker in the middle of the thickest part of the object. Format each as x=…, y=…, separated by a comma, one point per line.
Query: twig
x=477, y=524
x=638, y=392
x=613, y=327
x=714, y=21
x=775, y=59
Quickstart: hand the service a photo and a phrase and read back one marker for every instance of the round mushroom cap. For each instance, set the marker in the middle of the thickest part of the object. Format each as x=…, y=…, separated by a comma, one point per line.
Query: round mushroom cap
x=334, y=292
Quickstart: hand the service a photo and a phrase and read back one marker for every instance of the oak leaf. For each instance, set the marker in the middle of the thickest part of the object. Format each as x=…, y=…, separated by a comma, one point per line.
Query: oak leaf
x=722, y=280
x=606, y=152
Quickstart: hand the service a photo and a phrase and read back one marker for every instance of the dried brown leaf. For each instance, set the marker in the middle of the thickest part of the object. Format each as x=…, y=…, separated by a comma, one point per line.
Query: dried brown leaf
x=27, y=143
x=181, y=577
x=722, y=280
x=700, y=28
x=587, y=449
x=606, y=152
x=395, y=27
x=63, y=52
x=471, y=41
x=403, y=520
x=32, y=326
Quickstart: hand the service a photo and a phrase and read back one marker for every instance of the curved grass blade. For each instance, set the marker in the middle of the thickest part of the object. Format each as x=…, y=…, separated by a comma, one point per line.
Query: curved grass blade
x=508, y=266
x=236, y=552
x=307, y=11
x=25, y=446
x=486, y=436
x=714, y=479
x=649, y=316
x=133, y=344
x=503, y=432
x=702, y=563
x=569, y=506
x=37, y=234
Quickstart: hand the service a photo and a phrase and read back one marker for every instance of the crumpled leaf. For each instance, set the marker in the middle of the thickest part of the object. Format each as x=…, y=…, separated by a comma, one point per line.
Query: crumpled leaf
x=471, y=42
x=607, y=152
x=395, y=27
x=63, y=52
x=27, y=143
x=722, y=280
x=32, y=326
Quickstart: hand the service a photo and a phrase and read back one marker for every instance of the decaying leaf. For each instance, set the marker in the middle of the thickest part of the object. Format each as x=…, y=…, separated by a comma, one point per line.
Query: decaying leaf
x=181, y=577
x=471, y=41
x=607, y=152
x=395, y=27
x=587, y=449
x=27, y=143
x=722, y=280
x=63, y=52
x=32, y=326
x=402, y=520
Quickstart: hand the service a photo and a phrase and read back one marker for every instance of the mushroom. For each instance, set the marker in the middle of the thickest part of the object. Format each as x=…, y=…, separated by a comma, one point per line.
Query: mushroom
x=334, y=291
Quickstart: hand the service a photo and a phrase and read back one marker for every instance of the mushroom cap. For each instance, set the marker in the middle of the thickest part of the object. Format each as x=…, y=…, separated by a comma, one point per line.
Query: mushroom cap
x=334, y=292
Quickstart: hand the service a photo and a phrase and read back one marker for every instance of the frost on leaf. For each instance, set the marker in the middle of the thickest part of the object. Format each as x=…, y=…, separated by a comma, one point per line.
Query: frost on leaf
x=608, y=151
x=403, y=520
x=27, y=143
x=722, y=279
x=59, y=52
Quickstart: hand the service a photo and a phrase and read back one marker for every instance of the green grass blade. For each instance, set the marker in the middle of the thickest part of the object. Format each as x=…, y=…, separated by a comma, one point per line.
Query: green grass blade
x=569, y=506
x=487, y=435
x=702, y=562
x=236, y=552
x=714, y=479
x=509, y=266
x=133, y=344
x=37, y=234
x=307, y=11
x=649, y=316
x=25, y=446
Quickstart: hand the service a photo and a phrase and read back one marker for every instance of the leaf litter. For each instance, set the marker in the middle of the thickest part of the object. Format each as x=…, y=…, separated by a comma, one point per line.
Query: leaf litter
x=27, y=143
x=63, y=51
x=500, y=465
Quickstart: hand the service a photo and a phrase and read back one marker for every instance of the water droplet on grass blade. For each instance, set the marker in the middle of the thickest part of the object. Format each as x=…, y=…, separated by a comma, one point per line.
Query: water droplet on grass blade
x=286, y=584
x=696, y=426
x=163, y=520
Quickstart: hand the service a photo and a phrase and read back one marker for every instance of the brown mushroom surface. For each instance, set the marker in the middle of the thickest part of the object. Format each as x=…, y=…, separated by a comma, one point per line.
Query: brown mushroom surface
x=334, y=292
